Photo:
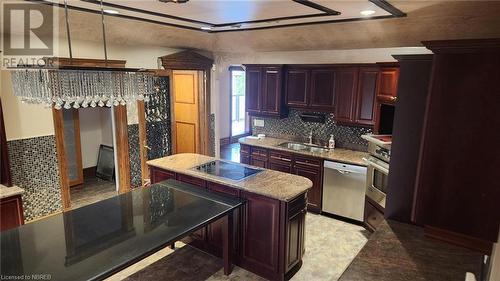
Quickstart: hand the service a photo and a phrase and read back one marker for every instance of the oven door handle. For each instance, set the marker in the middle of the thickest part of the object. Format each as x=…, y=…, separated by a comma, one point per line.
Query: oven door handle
x=377, y=166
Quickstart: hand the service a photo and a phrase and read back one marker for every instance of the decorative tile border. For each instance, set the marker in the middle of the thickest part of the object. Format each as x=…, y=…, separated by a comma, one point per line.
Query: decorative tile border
x=34, y=167
x=294, y=128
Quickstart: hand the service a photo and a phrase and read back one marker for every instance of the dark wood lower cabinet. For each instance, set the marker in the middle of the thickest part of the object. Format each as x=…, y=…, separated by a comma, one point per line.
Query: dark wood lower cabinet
x=312, y=169
x=268, y=233
x=258, y=162
x=11, y=212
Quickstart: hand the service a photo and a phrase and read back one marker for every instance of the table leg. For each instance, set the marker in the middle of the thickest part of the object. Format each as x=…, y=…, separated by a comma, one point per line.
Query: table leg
x=227, y=242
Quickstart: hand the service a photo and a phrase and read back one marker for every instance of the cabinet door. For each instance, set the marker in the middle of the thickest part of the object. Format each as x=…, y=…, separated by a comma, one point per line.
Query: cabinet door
x=271, y=91
x=295, y=239
x=365, y=104
x=11, y=212
x=315, y=193
x=260, y=232
x=322, y=89
x=244, y=158
x=388, y=84
x=253, y=90
x=214, y=230
x=297, y=87
x=158, y=175
x=346, y=86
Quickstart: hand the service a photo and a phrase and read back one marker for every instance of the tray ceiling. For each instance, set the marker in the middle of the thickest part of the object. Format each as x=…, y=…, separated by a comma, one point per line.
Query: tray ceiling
x=237, y=15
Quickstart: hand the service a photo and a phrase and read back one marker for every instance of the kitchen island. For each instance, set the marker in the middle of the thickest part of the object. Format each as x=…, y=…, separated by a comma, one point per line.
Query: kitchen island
x=268, y=232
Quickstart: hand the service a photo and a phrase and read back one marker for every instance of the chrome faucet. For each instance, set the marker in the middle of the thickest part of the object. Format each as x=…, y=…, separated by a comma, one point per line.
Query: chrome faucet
x=311, y=137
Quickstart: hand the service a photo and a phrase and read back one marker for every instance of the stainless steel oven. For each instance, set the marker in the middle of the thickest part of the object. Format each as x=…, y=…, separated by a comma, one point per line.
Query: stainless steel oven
x=377, y=175
x=377, y=178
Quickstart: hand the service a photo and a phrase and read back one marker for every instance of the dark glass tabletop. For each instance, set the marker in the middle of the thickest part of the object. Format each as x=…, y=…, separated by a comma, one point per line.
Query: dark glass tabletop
x=96, y=240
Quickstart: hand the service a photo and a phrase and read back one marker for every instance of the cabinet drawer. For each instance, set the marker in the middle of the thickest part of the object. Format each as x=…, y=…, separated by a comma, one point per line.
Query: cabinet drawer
x=373, y=217
x=244, y=148
x=192, y=180
x=308, y=162
x=280, y=157
x=158, y=175
x=258, y=152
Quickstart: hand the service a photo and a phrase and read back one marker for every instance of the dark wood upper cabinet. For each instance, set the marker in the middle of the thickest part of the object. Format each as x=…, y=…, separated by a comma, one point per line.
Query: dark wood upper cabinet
x=388, y=83
x=253, y=90
x=322, y=95
x=346, y=88
x=297, y=87
x=365, y=101
x=264, y=94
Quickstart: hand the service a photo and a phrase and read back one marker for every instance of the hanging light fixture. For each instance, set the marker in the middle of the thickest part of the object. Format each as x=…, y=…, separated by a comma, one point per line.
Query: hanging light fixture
x=74, y=87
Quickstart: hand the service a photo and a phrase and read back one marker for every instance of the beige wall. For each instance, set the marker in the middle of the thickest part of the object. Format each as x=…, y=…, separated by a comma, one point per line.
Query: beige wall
x=95, y=129
x=224, y=60
x=25, y=121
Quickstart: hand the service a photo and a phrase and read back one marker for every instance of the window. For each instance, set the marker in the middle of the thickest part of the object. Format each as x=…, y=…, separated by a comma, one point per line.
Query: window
x=238, y=115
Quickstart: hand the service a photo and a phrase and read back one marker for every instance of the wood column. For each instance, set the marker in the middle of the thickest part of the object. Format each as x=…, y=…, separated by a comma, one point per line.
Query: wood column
x=122, y=148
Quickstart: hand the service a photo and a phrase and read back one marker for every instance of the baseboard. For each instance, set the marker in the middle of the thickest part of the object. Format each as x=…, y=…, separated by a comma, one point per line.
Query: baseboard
x=476, y=244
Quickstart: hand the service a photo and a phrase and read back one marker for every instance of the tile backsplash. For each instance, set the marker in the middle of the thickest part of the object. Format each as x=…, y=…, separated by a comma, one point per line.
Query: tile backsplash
x=293, y=128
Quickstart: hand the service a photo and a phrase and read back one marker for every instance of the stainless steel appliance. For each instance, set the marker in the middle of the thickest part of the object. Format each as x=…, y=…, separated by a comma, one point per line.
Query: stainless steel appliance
x=226, y=170
x=377, y=177
x=344, y=190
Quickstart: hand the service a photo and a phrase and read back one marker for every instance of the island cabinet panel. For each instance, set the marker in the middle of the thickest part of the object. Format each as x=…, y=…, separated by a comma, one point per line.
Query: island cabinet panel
x=345, y=99
x=365, y=99
x=312, y=169
x=295, y=232
x=297, y=82
x=261, y=216
x=11, y=212
x=264, y=90
x=214, y=230
x=322, y=90
x=192, y=180
x=158, y=175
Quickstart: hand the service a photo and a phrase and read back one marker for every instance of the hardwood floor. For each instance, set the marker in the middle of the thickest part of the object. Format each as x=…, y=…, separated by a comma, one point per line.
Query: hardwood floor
x=92, y=190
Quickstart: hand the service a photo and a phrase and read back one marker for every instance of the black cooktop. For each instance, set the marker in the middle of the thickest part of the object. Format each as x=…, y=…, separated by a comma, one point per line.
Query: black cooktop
x=226, y=170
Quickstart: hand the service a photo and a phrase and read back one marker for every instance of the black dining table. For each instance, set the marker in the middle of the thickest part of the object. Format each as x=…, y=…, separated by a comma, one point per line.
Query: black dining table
x=95, y=241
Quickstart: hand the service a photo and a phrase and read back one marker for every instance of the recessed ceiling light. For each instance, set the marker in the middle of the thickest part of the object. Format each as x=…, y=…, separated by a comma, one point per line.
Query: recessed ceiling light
x=112, y=12
x=367, y=12
x=206, y=27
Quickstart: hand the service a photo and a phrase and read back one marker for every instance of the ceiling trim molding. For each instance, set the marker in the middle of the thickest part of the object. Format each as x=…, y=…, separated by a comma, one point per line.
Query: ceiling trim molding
x=395, y=13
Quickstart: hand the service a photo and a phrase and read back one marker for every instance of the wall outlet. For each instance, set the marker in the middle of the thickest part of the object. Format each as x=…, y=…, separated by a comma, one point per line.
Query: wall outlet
x=258, y=123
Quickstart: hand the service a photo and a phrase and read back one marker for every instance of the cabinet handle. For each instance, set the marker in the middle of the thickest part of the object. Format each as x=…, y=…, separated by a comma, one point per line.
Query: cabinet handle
x=307, y=164
x=280, y=158
x=394, y=98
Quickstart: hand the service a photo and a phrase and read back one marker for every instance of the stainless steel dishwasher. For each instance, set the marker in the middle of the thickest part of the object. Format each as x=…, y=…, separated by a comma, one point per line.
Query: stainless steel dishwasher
x=344, y=190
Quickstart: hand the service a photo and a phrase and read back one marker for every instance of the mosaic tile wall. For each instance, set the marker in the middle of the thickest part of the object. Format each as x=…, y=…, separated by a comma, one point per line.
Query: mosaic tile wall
x=135, y=158
x=293, y=128
x=158, y=133
x=33, y=164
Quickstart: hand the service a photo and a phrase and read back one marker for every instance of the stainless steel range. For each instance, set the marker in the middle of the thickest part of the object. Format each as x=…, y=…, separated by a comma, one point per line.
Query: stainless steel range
x=377, y=176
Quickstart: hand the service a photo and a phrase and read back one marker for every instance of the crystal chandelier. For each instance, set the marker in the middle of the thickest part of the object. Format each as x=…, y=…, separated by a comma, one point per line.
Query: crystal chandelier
x=74, y=87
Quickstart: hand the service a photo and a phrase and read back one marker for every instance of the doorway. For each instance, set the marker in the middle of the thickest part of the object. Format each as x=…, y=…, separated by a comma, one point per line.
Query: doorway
x=89, y=154
x=239, y=119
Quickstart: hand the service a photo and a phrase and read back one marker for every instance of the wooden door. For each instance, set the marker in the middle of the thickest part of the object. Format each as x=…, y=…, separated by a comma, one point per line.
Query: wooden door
x=72, y=145
x=367, y=89
x=271, y=91
x=297, y=87
x=322, y=89
x=186, y=122
x=253, y=91
x=346, y=88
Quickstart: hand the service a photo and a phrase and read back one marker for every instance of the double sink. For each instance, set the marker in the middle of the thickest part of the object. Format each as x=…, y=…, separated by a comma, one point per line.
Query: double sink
x=295, y=146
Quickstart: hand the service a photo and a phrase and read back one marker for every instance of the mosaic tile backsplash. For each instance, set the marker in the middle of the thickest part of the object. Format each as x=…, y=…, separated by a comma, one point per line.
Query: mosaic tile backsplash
x=33, y=165
x=293, y=128
x=135, y=157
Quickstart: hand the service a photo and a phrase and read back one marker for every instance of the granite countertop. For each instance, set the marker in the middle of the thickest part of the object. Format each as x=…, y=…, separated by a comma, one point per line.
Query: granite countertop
x=398, y=251
x=10, y=191
x=273, y=184
x=338, y=154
